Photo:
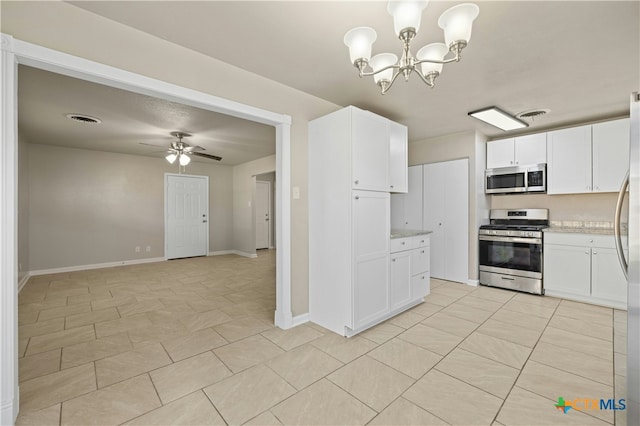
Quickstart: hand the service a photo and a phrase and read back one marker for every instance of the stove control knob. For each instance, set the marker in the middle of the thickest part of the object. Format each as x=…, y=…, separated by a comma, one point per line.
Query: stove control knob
x=529, y=234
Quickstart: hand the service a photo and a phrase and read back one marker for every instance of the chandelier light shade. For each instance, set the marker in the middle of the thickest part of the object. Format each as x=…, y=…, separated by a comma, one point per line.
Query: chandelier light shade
x=359, y=40
x=385, y=67
x=406, y=15
x=456, y=23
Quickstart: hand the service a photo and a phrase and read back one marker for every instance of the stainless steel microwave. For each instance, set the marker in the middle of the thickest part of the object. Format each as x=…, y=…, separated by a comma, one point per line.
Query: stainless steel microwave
x=515, y=180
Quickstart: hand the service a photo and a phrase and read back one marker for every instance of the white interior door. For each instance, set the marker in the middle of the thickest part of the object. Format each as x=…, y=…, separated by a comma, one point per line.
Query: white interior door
x=263, y=214
x=434, y=215
x=187, y=216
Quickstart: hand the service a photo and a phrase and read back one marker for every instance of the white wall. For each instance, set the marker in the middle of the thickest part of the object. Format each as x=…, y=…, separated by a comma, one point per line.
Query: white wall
x=90, y=207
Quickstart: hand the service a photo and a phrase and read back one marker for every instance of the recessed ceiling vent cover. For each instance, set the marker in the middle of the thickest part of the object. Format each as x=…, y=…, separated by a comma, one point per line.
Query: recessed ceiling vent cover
x=84, y=118
x=533, y=114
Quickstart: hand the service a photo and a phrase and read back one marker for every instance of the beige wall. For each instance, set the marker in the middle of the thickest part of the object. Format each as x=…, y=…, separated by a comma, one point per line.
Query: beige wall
x=580, y=207
x=244, y=237
x=23, y=208
x=456, y=146
x=89, y=207
x=87, y=35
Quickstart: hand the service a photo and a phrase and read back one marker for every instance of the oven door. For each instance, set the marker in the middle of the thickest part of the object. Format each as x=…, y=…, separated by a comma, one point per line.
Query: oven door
x=511, y=256
x=504, y=182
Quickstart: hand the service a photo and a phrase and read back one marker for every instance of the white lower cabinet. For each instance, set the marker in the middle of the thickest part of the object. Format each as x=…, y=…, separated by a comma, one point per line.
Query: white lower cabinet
x=409, y=271
x=584, y=267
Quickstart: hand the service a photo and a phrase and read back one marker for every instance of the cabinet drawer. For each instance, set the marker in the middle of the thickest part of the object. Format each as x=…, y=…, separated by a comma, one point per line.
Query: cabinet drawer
x=420, y=286
x=421, y=241
x=419, y=260
x=582, y=240
x=401, y=244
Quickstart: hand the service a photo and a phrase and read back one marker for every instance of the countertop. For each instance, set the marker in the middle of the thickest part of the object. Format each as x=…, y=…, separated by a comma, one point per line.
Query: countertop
x=404, y=233
x=584, y=227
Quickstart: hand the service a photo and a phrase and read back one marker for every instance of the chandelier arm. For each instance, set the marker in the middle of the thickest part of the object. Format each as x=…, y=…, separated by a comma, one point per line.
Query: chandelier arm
x=435, y=61
x=367, y=74
x=427, y=82
x=393, y=79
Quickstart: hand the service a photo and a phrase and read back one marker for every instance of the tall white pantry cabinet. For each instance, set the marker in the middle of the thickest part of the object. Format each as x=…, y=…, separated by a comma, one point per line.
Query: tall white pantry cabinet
x=355, y=160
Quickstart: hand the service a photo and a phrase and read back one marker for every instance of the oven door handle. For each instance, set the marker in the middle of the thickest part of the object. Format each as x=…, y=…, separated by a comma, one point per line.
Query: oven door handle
x=511, y=239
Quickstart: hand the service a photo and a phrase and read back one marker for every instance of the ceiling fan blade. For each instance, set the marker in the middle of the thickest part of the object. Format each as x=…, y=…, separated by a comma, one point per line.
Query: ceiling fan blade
x=193, y=148
x=211, y=157
x=150, y=144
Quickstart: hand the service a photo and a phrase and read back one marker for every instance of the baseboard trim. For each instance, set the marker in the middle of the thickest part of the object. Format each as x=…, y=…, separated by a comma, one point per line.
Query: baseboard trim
x=9, y=411
x=300, y=319
x=473, y=283
x=95, y=266
x=23, y=281
x=221, y=252
x=243, y=254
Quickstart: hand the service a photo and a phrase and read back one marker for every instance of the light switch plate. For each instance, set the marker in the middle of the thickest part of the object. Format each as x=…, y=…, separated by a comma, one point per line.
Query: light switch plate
x=296, y=192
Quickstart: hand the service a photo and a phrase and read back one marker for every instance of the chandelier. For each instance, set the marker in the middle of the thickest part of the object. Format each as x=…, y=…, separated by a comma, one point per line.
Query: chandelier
x=385, y=67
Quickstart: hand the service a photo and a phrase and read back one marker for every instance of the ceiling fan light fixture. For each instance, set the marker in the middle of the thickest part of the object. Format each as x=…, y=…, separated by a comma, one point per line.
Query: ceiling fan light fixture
x=171, y=158
x=184, y=159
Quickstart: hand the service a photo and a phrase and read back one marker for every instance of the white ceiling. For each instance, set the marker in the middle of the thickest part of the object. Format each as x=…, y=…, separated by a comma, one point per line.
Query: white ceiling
x=579, y=59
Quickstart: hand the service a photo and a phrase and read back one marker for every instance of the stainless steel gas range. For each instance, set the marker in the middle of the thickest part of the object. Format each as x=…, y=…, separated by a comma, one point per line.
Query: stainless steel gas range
x=511, y=249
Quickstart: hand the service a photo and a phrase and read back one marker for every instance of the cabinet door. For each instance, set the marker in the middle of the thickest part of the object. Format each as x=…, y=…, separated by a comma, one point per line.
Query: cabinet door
x=456, y=221
x=569, y=160
x=400, y=281
x=420, y=260
x=531, y=149
x=370, y=151
x=413, y=199
x=370, y=225
x=398, y=157
x=610, y=154
x=420, y=286
x=500, y=153
x=567, y=269
x=433, y=214
x=607, y=280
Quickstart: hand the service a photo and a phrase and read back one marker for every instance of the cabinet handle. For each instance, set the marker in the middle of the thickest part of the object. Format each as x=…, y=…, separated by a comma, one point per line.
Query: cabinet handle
x=402, y=243
x=356, y=181
x=595, y=252
x=393, y=260
x=406, y=223
x=390, y=186
x=597, y=188
x=590, y=241
x=357, y=197
x=422, y=241
x=586, y=252
x=422, y=251
x=423, y=277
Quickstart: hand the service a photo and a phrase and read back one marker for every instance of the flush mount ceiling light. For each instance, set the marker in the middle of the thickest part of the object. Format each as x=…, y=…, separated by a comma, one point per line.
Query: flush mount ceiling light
x=498, y=118
x=385, y=67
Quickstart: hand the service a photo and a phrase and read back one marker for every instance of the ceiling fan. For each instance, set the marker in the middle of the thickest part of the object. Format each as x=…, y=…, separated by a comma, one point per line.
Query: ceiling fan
x=181, y=150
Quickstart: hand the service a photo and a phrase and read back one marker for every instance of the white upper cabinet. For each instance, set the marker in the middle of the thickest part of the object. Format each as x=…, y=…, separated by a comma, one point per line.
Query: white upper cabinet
x=531, y=149
x=569, y=160
x=370, y=151
x=398, y=157
x=585, y=159
x=500, y=153
x=610, y=154
x=519, y=151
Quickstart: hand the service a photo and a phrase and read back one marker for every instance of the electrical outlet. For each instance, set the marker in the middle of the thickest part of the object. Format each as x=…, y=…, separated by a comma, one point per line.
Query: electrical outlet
x=137, y=249
x=148, y=249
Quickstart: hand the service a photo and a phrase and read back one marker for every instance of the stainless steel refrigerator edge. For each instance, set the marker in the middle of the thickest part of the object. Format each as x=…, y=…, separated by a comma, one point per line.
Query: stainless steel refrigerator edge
x=633, y=301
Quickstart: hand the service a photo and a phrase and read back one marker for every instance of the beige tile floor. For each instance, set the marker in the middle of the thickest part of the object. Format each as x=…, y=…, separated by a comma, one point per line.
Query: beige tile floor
x=192, y=341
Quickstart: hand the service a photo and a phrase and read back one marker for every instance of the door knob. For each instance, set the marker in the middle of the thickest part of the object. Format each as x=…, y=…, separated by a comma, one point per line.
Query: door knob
x=204, y=221
x=267, y=219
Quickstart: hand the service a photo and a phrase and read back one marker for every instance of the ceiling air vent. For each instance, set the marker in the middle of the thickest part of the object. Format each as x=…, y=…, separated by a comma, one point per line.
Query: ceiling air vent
x=84, y=118
x=533, y=114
